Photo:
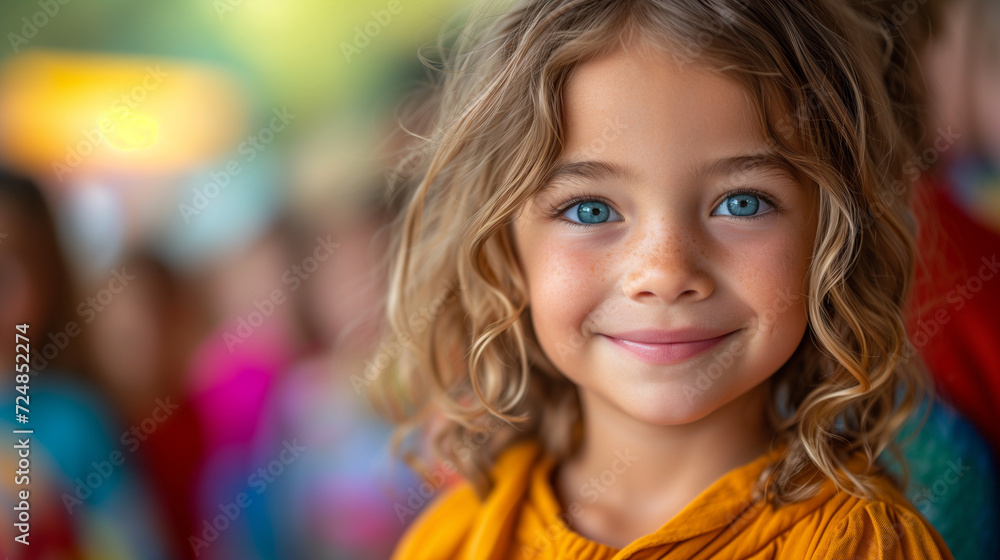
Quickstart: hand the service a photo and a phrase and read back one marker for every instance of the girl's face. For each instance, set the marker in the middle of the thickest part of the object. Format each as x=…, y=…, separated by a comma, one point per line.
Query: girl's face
x=666, y=260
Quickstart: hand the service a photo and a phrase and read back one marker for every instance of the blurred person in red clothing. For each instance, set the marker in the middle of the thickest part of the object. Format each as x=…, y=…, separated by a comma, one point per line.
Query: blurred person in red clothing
x=144, y=345
x=958, y=284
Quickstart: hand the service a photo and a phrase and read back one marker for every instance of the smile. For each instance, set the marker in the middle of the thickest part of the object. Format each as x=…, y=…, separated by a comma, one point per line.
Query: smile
x=667, y=353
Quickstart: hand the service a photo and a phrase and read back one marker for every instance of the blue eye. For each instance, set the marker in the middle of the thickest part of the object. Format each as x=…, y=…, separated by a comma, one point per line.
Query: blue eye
x=589, y=212
x=586, y=211
x=743, y=205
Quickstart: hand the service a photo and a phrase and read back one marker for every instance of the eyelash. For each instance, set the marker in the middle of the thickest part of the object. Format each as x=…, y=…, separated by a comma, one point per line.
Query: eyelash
x=561, y=209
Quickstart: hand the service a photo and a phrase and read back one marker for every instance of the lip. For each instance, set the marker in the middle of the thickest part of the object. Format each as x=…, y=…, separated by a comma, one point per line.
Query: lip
x=668, y=347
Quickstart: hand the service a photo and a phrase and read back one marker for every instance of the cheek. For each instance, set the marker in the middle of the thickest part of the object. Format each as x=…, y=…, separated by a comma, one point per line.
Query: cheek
x=772, y=285
x=566, y=283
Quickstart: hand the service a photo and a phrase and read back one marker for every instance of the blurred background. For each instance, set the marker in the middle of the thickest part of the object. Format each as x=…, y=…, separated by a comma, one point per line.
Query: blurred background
x=192, y=204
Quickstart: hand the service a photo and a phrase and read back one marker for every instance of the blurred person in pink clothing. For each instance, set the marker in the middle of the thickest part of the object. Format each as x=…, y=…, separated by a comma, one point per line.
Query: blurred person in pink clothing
x=235, y=369
x=343, y=498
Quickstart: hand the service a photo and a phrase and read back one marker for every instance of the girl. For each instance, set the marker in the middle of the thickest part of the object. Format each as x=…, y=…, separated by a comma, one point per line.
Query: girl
x=681, y=244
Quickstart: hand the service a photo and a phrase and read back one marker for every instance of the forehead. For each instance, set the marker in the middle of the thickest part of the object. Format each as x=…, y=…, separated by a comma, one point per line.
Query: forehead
x=644, y=99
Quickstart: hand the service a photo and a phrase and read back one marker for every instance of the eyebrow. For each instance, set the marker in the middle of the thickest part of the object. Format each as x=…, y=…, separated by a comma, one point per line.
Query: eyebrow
x=592, y=171
x=596, y=170
x=738, y=164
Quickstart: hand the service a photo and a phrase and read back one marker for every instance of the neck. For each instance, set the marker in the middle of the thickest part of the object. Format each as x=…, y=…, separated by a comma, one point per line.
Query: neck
x=662, y=468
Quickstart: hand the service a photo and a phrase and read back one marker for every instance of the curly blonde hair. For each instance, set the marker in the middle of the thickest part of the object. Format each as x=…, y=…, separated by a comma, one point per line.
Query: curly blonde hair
x=834, y=89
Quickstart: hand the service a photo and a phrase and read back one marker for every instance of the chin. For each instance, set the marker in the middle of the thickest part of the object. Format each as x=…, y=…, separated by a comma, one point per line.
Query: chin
x=673, y=406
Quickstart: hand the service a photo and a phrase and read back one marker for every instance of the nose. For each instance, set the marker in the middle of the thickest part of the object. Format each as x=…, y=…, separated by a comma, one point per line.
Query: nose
x=669, y=267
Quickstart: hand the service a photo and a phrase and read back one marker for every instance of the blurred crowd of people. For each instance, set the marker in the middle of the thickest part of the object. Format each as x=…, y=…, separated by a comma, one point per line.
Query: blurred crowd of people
x=205, y=415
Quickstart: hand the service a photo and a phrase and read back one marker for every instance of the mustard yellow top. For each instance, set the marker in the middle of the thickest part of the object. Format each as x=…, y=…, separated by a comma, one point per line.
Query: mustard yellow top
x=521, y=519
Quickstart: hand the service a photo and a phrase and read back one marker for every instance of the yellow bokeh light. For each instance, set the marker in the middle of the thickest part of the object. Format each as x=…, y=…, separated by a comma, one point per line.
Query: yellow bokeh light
x=126, y=130
x=67, y=115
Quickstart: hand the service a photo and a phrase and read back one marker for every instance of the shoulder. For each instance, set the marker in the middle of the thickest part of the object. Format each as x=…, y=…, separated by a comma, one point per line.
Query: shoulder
x=887, y=527
x=441, y=528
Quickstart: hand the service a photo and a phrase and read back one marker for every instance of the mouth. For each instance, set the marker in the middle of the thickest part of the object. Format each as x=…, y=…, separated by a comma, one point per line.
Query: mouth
x=666, y=353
